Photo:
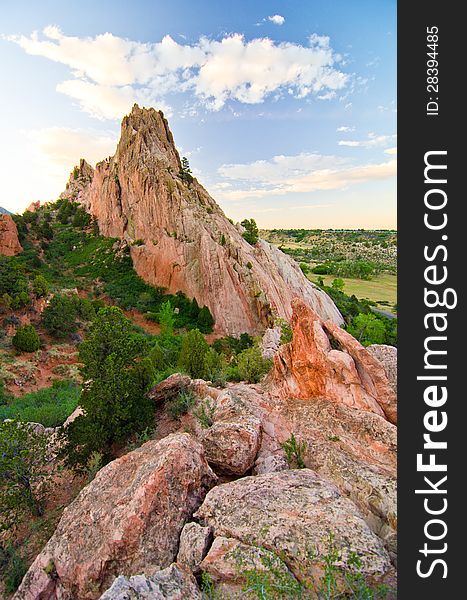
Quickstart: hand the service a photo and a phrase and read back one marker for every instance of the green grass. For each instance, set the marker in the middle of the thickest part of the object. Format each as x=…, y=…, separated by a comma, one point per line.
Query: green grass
x=49, y=406
x=382, y=288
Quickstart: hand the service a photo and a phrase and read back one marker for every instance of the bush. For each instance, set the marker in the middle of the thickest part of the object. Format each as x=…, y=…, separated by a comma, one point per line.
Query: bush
x=205, y=320
x=367, y=329
x=114, y=400
x=181, y=404
x=252, y=366
x=193, y=353
x=26, y=339
x=59, y=317
x=40, y=286
x=48, y=406
x=24, y=455
x=12, y=568
x=295, y=451
x=251, y=233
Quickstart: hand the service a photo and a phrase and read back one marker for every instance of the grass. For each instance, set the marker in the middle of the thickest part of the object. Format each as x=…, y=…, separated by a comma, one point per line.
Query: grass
x=48, y=406
x=380, y=289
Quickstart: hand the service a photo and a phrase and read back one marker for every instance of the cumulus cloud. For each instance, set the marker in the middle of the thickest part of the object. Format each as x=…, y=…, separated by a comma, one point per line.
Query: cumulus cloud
x=50, y=154
x=345, y=129
x=277, y=19
x=372, y=141
x=298, y=174
x=110, y=73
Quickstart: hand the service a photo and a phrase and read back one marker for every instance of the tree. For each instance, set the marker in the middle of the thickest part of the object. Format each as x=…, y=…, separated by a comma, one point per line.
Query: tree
x=113, y=398
x=59, y=317
x=26, y=339
x=24, y=455
x=367, y=329
x=193, y=353
x=40, y=286
x=251, y=233
x=185, y=171
x=205, y=320
x=338, y=284
x=252, y=366
x=166, y=318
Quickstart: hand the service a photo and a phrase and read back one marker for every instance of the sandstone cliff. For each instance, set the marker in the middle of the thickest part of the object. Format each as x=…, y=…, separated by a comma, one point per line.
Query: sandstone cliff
x=9, y=242
x=184, y=240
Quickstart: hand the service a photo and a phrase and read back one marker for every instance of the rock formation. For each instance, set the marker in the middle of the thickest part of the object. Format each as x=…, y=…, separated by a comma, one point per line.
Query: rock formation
x=185, y=242
x=128, y=519
x=9, y=242
x=324, y=361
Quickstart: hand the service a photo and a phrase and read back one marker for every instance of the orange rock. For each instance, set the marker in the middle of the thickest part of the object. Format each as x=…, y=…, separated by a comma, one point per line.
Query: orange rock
x=184, y=240
x=324, y=361
x=9, y=242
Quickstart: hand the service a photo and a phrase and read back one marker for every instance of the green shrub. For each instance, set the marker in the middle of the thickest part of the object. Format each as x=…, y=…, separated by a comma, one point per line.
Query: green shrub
x=181, y=404
x=367, y=329
x=193, y=353
x=48, y=406
x=59, y=317
x=205, y=320
x=251, y=233
x=26, y=339
x=114, y=400
x=24, y=457
x=252, y=366
x=205, y=413
x=13, y=568
x=40, y=286
x=295, y=451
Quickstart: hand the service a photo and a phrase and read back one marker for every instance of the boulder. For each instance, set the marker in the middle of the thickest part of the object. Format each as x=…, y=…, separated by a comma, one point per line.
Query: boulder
x=127, y=520
x=271, y=342
x=172, y=583
x=324, y=361
x=290, y=513
x=194, y=544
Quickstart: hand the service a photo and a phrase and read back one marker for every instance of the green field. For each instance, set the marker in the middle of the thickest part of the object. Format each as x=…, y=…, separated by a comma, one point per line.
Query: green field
x=381, y=289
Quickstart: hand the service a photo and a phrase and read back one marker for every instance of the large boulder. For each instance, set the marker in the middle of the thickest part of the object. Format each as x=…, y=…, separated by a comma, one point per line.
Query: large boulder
x=291, y=513
x=127, y=520
x=173, y=583
x=324, y=361
x=387, y=356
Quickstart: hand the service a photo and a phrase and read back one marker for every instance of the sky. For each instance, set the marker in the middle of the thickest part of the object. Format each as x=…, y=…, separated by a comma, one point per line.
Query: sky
x=286, y=109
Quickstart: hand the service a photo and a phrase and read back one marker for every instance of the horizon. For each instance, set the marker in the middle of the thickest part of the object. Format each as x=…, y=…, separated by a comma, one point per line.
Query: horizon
x=286, y=111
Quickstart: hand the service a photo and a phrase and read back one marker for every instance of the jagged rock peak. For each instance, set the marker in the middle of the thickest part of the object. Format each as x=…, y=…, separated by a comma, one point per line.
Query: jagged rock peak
x=9, y=241
x=80, y=179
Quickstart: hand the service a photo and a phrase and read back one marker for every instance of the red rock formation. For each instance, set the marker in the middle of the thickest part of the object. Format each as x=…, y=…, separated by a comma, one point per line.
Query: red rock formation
x=128, y=519
x=33, y=206
x=9, y=242
x=324, y=361
x=189, y=244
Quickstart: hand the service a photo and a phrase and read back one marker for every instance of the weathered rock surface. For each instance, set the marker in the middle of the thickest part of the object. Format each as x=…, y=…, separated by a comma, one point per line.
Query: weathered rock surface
x=127, y=520
x=289, y=512
x=172, y=583
x=189, y=244
x=79, y=181
x=271, y=342
x=195, y=541
x=9, y=242
x=323, y=360
x=387, y=356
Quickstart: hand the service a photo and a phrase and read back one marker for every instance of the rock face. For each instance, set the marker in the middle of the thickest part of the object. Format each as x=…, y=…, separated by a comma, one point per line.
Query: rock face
x=288, y=513
x=79, y=181
x=188, y=243
x=127, y=520
x=324, y=361
x=387, y=356
x=172, y=583
x=9, y=242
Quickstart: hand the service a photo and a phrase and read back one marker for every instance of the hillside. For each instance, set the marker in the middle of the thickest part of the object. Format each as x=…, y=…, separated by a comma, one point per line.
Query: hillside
x=183, y=414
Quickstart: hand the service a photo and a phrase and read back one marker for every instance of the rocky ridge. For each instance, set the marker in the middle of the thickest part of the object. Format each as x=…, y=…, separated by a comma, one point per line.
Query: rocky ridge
x=9, y=242
x=179, y=237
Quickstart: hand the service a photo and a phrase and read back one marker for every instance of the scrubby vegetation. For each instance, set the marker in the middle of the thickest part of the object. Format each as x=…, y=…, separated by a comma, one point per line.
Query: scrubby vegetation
x=251, y=233
x=26, y=339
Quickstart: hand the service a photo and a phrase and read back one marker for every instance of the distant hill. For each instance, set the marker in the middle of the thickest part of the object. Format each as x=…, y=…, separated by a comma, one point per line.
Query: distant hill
x=4, y=211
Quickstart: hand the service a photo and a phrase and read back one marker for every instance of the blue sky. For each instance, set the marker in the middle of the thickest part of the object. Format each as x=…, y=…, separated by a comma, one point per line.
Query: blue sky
x=286, y=109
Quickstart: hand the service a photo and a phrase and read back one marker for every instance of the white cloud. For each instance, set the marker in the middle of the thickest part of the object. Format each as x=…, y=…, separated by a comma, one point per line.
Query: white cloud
x=303, y=173
x=50, y=154
x=111, y=73
x=391, y=151
x=372, y=141
x=345, y=129
x=277, y=19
